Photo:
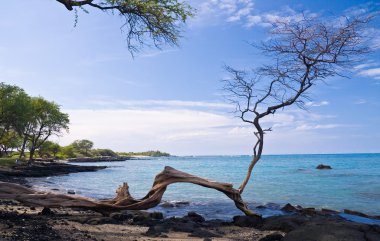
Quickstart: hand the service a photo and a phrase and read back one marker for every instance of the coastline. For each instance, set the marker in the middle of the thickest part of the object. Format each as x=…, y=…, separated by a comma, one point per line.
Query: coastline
x=18, y=174
x=36, y=223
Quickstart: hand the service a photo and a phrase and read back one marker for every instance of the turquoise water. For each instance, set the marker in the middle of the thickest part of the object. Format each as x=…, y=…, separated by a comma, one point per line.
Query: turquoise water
x=353, y=183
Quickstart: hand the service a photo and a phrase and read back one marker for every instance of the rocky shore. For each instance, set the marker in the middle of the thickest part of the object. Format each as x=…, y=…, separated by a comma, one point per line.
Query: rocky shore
x=18, y=222
x=17, y=173
x=23, y=223
x=100, y=159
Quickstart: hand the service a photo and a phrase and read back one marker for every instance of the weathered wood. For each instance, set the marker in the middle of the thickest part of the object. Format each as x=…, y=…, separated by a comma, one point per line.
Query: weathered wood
x=123, y=199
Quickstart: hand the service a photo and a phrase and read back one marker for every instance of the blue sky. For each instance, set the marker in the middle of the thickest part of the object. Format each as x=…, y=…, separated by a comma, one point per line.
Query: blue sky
x=171, y=99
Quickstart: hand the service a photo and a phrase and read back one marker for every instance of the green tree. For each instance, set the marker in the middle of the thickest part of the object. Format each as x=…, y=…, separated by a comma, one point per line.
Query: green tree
x=9, y=142
x=103, y=152
x=49, y=148
x=67, y=152
x=13, y=108
x=46, y=120
x=83, y=146
x=148, y=22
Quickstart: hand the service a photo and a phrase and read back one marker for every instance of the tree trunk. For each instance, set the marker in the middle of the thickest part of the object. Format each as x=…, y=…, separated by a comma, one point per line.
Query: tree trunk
x=22, y=151
x=31, y=154
x=123, y=199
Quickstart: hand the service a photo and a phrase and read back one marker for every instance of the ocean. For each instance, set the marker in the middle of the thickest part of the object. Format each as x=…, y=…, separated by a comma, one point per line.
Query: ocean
x=352, y=183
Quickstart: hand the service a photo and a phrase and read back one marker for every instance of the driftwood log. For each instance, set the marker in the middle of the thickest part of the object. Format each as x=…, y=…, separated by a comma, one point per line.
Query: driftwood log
x=123, y=199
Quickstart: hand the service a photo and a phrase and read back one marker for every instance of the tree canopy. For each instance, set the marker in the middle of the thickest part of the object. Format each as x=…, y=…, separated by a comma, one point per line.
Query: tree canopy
x=83, y=145
x=146, y=23
x=46, y=120
x=13, y=104
x=27, y=121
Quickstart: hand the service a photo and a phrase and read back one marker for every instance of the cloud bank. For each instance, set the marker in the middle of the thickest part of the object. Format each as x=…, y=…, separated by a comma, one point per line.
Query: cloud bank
x=188, y=128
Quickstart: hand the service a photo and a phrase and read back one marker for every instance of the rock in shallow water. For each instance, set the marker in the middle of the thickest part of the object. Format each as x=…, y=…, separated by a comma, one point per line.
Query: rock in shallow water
x=289, y=208
x=72, y=192
x=166, y=204
x=323, y=167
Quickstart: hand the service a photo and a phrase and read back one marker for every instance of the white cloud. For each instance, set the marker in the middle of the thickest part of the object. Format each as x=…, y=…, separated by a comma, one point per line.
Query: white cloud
x=360, y=102
x=216, y=11
x=178, y=131
x=269, y=18
x=317, y=104
x=363, y=66
x=160, y=104
x=375, y=72
x=243, y=12
x=375, y=43
x=304, y=127
x=176, y=127
x=370, y=69
x=362, y=9
x=253, y=20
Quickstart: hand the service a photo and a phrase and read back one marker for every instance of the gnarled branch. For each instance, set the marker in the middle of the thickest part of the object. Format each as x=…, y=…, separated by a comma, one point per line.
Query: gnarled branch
x=123, y=199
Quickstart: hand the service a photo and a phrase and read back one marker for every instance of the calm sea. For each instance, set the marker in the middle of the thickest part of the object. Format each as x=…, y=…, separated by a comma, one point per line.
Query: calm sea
x=353, y=183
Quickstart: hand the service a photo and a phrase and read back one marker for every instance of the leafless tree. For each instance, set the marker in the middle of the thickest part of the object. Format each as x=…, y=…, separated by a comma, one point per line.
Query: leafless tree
x=302, y=53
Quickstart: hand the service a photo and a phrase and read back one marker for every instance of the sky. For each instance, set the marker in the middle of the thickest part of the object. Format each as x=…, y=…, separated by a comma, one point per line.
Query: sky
x=172, y=99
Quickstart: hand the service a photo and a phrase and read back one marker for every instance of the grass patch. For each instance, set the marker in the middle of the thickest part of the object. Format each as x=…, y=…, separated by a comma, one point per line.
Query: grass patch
x=7, y=162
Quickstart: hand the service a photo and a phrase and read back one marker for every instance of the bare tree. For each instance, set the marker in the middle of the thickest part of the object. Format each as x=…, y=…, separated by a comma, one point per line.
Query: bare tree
x=303, y=53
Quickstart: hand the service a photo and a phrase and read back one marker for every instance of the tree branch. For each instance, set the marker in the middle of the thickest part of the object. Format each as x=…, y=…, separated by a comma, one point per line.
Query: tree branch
x=123, y=199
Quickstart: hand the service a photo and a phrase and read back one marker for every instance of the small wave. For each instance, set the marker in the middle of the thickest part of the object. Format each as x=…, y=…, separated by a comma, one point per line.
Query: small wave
x=369, y=195
x=343, y=175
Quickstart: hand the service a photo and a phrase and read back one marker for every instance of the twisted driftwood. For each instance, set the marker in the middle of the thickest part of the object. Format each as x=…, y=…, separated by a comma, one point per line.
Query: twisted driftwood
x=123, y=199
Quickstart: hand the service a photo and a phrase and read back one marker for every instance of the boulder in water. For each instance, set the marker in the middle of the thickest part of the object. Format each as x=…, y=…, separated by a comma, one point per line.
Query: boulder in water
x=167, y=205
x=72, y=192
x=289, y=208
x=323, y=167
